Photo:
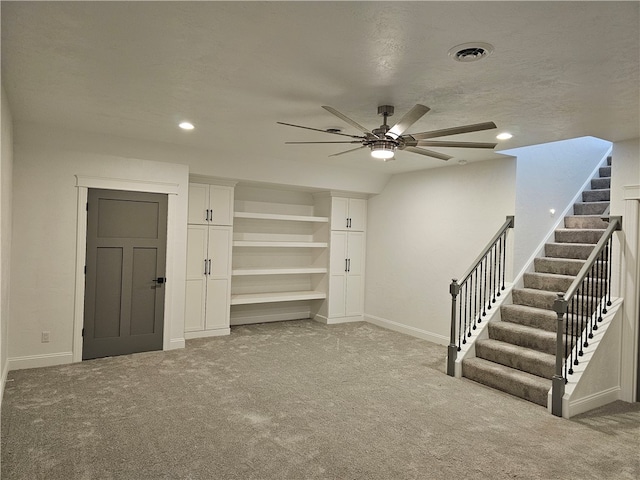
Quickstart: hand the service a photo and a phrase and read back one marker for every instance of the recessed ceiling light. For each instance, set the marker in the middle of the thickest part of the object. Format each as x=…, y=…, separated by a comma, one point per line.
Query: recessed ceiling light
x=186, y=126
x=504, y=136
x=471, y=52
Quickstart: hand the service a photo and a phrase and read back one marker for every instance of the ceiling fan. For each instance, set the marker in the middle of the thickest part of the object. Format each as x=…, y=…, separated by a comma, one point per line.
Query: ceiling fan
x=385, y=140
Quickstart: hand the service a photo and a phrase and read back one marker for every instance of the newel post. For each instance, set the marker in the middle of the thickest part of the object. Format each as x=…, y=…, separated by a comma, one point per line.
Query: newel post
x=558, y=381
x=452, y=351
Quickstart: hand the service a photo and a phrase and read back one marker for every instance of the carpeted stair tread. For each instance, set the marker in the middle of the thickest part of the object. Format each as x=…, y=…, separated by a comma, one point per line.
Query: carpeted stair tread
x=515, y=382
x=579, y=251
x=560, y=266
x=529, y=316
x=578, y=235
x=600, y=183
x=513, y=356
x=589, y=208
x=524, y=336
x=604, y=171
x=598, y=195
x=585, y=221
x=551, y=282
x=534, y=298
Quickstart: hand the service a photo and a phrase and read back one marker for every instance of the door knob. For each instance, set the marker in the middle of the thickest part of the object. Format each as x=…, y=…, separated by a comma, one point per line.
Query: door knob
x=160, y=280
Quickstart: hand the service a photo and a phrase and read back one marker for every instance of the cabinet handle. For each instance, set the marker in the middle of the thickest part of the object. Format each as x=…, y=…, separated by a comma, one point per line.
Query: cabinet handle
x=209, y=266
x=346, y=265
x=347, y=223
x=211, y=215
x=205, y=266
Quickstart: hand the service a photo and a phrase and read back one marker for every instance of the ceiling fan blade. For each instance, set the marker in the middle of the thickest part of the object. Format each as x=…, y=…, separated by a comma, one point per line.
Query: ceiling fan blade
x=346, y=141
x=411, y=117
x=435, y=143
x=477, y=127
x=428, y=153
x=347, y=119
x=318, y=130
x=347, y=151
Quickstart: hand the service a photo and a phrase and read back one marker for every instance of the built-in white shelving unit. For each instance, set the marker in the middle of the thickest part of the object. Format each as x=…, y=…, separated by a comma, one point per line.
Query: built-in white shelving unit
x=280, y=255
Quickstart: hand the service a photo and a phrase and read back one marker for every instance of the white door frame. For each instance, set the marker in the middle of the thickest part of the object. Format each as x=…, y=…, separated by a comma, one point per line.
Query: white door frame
x=84, y=183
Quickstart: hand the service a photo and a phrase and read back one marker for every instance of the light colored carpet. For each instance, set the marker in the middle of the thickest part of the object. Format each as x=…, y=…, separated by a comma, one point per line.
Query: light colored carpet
x=297, y=400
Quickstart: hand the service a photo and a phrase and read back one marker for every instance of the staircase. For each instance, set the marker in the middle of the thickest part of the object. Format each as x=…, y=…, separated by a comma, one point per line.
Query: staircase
x=519, y=355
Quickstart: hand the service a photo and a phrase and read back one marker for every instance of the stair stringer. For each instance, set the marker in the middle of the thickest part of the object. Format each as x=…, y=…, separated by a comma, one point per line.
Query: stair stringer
x=529, y=266
x=596, y=379
x=468, y=350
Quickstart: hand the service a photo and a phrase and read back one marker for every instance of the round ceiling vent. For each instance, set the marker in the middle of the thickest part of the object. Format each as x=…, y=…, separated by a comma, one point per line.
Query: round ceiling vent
x=471, y=52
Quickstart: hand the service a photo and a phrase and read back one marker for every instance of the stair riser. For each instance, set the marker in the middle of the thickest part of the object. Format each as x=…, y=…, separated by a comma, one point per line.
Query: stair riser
x=544, y=300
x=558, y=266
x=527, y=392
x=539, y=320
x=601, y=195
x=600, y=183
x=571, y=221
x=591, y=208
x=578, y=235
x=541, y=369
x=561, y=266
x=566, y=250
x=527, y=340
x=604, y=171
x=547, y=282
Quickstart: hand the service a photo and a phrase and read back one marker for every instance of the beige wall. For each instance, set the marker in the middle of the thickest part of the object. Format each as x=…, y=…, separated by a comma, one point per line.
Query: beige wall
x=6, y=163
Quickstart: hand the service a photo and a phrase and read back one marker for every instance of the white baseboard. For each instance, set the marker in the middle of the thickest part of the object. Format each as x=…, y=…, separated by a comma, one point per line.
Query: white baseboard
x=219, y=332
x=338, y=320
x=3, y=380
x=407, y=330
x=35, y=361
x=176, y=343
x=570, y=409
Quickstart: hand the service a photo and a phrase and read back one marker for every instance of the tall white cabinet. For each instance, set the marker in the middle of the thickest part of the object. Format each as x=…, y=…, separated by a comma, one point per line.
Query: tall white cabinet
x=209, y=244
x=345, y=296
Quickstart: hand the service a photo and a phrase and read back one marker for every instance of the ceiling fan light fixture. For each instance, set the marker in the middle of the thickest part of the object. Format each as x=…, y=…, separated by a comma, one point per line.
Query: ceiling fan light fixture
x=383, y=150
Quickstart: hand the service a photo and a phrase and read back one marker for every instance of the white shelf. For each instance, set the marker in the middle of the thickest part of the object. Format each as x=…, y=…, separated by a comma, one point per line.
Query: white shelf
x=251, y=298
x=274, y=216
x=258, y=243
x=277, y=271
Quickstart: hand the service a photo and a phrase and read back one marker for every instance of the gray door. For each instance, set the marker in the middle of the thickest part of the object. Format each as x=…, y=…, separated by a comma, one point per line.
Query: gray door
x=124, y=280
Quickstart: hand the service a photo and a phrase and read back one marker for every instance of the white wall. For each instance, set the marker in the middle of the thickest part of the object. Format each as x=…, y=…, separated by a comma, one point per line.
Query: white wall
x=45, y=217
x=6, y=164
x=424, y=229
x=625, y=201
x=548, y=176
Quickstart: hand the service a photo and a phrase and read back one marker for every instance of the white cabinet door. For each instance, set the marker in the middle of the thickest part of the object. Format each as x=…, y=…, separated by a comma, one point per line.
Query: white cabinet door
x=208, y=278
x=346, y=274
x=198, y=204
x=357, y=214
x=221, y=205
x=339, y=213
x=348, y=214
x=196, y=285
x=210, y=204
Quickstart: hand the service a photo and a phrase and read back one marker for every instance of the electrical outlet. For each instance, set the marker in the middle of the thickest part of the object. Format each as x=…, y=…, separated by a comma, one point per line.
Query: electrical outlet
x=45, y=337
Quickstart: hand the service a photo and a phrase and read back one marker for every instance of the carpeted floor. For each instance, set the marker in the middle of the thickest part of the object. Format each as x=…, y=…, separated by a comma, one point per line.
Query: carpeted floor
x=297, y=400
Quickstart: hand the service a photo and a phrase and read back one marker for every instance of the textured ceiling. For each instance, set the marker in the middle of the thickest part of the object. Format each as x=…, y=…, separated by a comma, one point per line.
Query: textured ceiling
x=560, y=70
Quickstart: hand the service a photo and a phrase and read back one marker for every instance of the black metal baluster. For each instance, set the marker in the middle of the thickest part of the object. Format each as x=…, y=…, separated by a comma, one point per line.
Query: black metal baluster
x=484, y=286
x=573, y=321
x=475, y=298
x=504, y=259
x=466, y=301
x=495, y=265
x=460, y=331
x=489, y=255
x=567, y=320
x=499, y=259
x=609, y=262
